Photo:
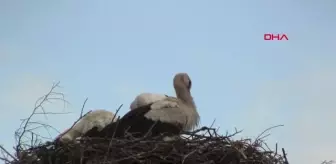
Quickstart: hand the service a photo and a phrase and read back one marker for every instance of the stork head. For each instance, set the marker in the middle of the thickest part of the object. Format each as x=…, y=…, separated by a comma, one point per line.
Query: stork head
x=182, y=80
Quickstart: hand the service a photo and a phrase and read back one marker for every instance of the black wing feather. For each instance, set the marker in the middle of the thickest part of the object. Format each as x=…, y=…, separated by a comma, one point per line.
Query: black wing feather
x=136, y=123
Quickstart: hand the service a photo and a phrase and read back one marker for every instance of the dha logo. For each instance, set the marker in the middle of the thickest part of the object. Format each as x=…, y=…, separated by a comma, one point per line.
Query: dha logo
x=275, y=37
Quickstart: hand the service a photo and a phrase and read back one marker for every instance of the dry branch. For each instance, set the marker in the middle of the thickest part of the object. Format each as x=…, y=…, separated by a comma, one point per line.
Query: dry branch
x=202, y=146
x=24, y=129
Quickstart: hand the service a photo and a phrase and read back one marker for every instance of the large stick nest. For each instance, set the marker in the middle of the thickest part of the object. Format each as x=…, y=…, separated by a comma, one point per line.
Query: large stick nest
x=201, y=146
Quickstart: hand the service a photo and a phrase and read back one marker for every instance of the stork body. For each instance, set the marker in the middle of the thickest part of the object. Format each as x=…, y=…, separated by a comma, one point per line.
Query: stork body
x=145, y=99
x=97, y=119
x=167, y=116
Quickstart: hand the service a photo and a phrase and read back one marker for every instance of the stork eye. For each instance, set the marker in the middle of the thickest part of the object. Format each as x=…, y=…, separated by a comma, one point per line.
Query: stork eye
x=189, y=85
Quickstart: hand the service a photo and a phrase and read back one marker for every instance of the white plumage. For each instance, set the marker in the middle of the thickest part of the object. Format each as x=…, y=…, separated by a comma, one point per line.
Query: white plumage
x=95, y=119
x=179, y=110
x=174, y=111
x=145, y=99
x=168, y=115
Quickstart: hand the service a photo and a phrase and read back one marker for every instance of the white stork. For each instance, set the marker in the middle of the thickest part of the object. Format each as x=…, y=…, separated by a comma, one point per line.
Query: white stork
x=169, y=115
x=97, y=119
x=145, y=99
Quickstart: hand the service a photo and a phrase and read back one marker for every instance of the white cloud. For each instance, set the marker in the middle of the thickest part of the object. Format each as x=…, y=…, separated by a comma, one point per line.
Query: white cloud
x=306, y=105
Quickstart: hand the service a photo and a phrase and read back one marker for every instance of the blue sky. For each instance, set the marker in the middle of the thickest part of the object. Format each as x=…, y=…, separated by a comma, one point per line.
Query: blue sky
x=111, y=51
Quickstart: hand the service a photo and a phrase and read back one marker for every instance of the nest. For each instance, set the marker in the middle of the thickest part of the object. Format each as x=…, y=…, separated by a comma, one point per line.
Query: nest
x=203, y=146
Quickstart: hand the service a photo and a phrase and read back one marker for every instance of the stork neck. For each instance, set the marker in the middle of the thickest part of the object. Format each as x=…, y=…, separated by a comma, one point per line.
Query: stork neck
x=184, y=95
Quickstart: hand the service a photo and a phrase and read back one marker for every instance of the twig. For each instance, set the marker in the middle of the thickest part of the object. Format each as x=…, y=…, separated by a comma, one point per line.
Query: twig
x=276, y=149
x=266, y=131
x=80, y=117
x=41, y=101
x=54, y=113
x=285, y=156
x=186, y=156
x=81, y=114
x=110, y=143
x=4, y=159
x=74, y=124
x=3, y=149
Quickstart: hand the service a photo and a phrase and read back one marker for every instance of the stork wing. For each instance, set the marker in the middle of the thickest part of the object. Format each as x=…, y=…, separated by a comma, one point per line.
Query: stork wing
x=167, y=111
